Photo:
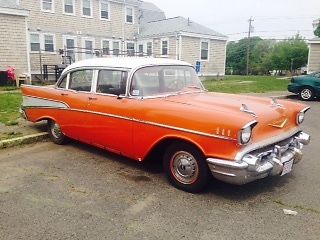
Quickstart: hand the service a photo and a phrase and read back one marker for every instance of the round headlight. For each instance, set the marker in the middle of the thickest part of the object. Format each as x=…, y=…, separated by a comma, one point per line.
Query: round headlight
x=245, y=135
x=300, y=117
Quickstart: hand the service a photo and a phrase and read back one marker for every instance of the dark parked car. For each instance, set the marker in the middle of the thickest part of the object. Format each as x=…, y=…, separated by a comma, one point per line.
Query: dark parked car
x=307, y=86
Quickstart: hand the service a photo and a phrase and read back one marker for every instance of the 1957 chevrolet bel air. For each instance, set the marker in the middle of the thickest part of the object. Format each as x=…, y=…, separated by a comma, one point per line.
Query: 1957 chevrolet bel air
x=140, y=107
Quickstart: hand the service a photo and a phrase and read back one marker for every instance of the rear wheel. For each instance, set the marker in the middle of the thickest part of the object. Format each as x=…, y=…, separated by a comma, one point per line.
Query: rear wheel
x=306, y=93
x=55, y=133
x=186, y=168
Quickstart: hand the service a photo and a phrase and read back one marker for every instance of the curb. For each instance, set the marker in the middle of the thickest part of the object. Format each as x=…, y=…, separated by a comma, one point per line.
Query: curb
x=23, y=140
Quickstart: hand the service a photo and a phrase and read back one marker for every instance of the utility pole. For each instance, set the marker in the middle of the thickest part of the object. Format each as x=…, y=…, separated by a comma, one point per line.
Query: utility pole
x=248, y=46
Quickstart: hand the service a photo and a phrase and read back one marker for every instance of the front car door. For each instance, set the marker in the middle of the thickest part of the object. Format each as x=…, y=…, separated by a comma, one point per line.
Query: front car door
x=110, y=120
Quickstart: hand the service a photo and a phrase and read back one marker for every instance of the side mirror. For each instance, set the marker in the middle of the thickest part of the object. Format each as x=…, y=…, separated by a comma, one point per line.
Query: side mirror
x=120, y=96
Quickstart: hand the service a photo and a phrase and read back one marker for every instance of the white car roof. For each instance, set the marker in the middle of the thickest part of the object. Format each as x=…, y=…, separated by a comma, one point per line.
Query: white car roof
x=124, y=62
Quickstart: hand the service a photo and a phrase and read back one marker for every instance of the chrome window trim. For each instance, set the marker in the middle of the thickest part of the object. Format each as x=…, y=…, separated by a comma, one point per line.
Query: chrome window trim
x=81, y=69
x=133, y=71
x=112, y=69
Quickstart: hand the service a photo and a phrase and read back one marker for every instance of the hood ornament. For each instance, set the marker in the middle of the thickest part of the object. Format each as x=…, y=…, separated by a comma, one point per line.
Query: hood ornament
x=275, y=103
x=244, y=108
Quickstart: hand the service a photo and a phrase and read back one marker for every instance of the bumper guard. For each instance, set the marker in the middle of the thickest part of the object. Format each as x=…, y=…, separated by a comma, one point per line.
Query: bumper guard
x=260, y=163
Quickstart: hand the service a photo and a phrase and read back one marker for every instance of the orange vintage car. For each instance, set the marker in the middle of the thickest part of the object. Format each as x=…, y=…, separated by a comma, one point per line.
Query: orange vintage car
x=140, y=107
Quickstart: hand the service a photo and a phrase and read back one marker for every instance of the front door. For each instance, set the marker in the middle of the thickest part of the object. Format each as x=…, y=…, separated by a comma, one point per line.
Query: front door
x=110, y=124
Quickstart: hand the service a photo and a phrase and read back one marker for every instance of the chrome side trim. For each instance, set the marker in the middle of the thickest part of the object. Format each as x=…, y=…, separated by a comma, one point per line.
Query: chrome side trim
x=139, y=121
x=185, y=130
x=266, y=142
x=30, y=101
x=228, y=164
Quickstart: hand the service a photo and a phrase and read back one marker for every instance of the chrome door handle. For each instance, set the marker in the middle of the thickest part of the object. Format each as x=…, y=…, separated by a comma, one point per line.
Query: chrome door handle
x=92, y=98
x=64, y=94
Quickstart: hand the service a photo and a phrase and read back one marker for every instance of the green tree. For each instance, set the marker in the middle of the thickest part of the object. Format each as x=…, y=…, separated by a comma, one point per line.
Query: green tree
x=317, y=30
x=261, y=57
x=290, y=54
x=236, y=58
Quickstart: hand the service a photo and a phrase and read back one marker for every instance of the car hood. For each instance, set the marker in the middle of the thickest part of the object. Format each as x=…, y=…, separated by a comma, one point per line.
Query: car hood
x=273, y=116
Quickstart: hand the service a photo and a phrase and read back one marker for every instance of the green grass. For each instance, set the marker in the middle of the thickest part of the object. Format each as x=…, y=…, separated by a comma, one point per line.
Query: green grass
x=8, y=88
x=10, y=135
x=9, y=108
x=246, y=84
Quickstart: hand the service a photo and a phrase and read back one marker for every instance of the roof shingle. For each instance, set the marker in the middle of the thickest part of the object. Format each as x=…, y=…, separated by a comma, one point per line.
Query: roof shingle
x=175, y=25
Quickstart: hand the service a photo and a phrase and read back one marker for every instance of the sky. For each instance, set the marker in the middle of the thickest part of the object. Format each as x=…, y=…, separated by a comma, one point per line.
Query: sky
x=276, y=19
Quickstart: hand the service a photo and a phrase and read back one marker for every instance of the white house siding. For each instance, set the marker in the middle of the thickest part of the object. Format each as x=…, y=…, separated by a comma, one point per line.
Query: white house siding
x=60, y=24
x=13, y=46
x=314, y=57
x=217, y=55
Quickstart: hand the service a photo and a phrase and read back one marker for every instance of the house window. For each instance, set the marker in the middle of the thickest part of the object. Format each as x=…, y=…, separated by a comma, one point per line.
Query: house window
x=47, y=5
x=87, y=8
x=88, y=45
x=104, y=9
x=70, y=44
x=48, y=43
x=105, y=47
x=35, y=42
x=69, y=6
x=130, y=49
x=149, y=48
x=129, y=15
x=116, y=48
x=204, y=50
x=164, y=48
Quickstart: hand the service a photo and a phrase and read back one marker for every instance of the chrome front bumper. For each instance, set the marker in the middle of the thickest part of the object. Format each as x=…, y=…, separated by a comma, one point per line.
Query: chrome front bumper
x=260, y=163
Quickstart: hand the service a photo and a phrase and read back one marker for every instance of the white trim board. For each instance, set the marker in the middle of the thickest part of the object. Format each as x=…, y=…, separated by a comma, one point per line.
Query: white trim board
x=17, y=12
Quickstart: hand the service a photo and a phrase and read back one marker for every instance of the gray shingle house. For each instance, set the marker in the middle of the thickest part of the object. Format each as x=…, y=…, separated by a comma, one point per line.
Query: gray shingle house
x=314, y=51
x=13, y=37
x=52, y=32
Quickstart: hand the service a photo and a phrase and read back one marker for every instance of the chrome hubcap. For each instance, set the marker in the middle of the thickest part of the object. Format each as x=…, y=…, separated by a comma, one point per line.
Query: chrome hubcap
x=184, y=167
x=306, y=94
x=56, y=131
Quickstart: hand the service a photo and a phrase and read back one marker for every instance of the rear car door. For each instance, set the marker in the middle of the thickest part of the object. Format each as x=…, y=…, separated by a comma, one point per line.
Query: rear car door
x=77, y=97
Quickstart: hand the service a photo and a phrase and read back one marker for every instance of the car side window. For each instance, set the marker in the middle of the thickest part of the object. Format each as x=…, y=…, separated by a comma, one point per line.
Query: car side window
x=81, y=80
x=112, y=82
x=63, y=82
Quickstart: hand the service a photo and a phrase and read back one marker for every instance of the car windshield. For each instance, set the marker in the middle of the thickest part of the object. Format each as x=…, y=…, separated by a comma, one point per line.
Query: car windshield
x=164, y=80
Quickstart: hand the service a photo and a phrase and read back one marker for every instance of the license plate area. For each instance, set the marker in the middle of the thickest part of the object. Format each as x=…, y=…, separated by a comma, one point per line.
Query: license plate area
x=287, y=167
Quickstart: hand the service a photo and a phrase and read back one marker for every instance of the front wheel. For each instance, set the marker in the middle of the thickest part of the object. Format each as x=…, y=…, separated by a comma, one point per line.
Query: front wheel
x=306, y=93
x=55, y=133
x=186, y=168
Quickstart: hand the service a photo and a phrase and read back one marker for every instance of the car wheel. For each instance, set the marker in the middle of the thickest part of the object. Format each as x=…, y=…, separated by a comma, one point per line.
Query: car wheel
x=55, y=133
x=186, y=168
x=306, y=93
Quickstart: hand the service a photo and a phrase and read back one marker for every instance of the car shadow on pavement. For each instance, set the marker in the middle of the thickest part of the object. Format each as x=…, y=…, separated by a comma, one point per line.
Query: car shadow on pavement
x=249, y=190
x=153, y=170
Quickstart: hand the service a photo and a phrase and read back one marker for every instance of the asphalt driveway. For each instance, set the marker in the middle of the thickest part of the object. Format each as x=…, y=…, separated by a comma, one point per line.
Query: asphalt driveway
x=80, y=192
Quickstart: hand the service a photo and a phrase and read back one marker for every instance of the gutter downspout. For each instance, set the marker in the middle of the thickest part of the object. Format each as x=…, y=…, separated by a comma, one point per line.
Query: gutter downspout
x=28, y=51
x=123, y=26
